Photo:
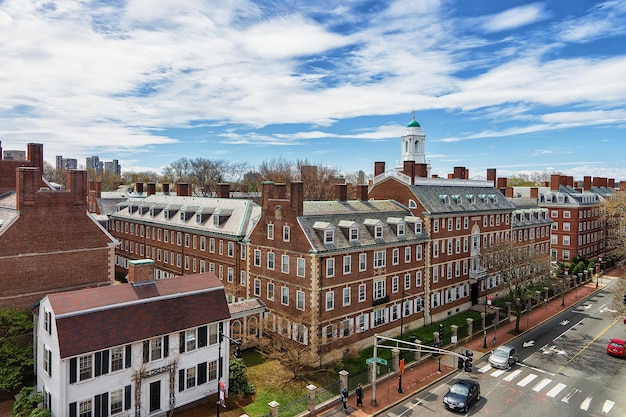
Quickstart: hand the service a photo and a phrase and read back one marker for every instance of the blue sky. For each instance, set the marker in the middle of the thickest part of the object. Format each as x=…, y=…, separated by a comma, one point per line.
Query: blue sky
x=518, y=86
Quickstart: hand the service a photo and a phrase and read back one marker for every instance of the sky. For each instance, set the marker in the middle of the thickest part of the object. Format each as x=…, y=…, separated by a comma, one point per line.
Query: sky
x=518, y=86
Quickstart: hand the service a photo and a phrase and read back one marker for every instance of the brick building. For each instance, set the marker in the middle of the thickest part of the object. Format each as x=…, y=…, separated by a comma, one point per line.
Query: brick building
x=47, y=239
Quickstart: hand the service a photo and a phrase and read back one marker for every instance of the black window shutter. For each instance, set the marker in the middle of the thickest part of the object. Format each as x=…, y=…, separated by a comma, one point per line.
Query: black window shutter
x=73, y=369
x=166, y=345
x=105, y=404
x=202, y=374
x=146, y=351
x=73, y=409
x=181, y=342
x=97, y=406
x=50, y=362
x=202, y=336
x=127, y=358
x=181, y=380
x=98, y=356
x=127, y=397
x=105, y=362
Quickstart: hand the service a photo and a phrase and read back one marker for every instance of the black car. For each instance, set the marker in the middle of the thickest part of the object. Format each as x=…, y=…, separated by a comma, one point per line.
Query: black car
x=462, y=395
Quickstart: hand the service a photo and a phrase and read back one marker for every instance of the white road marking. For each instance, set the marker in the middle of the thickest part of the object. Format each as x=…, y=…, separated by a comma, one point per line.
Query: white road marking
x=585, y=404
x=608, y=404
x=555, y=391
x=527, y=380
x=484, y=369
x=570, y=395
x=513, y=375
x=542, y=384
x=498, y=372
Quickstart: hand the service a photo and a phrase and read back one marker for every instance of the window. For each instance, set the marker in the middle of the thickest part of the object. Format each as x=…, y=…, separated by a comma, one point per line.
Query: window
x=242, y=278
x=378, y=232
x=436, y=225
x=465, y=222
x=116, y=401
x=566, y=227
x=346, y=296
x=47, y=360
x=418, y=252
x=212, y=371
x=450, y=222
x=189, y=339
x=379, y=289
x=85, y=370
x=566, y=214
x=47, y=321
x=380, y=317
x=300, y=267
x=221, y=246
x=187, y=240
x=257, y=287
x=407, y=281
x=300, y=300
x=400, y=229
x=347, y=264
x=286, y=233
x=84, y=408
x=407, y=254
x=257, y=257
x=156, y=350
x=190, y=379
x=284, y=295
x=270, y=231
x=231, y=249
x=329, y=236
x=395, y=256
x=435, y=249
x=566, y=240
x=362, y=261
x=330, y=300
x=117, y=358
x=395, y=284
x=212, y=245
x=354, y=234
x=362, y=292
x=179, y=238
x=330, y=267
x=379, y=259
x=270, y=260
x=418, y=227
x=270, y=291
x=418, y=278
x=284, y=264
x=458, y=223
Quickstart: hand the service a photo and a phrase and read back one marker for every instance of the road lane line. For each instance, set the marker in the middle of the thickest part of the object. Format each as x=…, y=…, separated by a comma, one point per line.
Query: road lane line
x=585, y=404
x=558, y=337
x=555, y=391
x=606, y=407
x=513, y=375
x=542, y=384
x=588, y=344
x=527, y=380
x=570, y=395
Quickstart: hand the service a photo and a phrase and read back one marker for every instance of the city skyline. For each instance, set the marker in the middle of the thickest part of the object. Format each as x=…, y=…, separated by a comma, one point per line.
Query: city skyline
x=518, y=86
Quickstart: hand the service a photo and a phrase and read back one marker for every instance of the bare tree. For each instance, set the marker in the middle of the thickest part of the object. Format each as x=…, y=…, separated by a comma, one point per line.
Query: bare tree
x=518, y=267
x=614, y=219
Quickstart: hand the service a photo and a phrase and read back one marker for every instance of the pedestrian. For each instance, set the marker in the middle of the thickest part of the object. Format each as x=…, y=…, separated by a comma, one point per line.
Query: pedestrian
x=344, y=400
x=359, y=395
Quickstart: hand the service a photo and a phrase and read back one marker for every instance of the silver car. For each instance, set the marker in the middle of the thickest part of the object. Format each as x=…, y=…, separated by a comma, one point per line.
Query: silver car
x=503, y=357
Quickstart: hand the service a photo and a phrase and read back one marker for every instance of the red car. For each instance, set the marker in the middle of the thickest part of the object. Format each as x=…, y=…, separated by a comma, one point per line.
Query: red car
x=616, y=348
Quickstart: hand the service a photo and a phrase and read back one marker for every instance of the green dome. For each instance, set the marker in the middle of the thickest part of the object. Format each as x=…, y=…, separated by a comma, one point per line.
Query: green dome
x=413, y=123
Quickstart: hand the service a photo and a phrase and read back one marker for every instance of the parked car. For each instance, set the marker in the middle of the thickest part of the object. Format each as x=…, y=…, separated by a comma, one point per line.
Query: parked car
x=616, y=348
x=462, y=395
x=503, y=357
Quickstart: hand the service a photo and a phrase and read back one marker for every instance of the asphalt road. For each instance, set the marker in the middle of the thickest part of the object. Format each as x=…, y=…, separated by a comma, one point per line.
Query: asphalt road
x=563, y=371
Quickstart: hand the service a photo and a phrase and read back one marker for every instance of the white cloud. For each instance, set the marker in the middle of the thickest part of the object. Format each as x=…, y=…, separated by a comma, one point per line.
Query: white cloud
x=515, y=18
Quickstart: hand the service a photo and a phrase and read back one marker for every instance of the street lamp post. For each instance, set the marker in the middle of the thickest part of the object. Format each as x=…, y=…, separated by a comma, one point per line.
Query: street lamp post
x=401, y=335
x=565, y=271
x=221, y=388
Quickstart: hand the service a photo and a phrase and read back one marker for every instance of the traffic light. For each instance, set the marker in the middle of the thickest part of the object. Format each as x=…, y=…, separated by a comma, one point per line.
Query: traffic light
x=624, y=298
x=460, y=363
x=441, y=334
x=468, y=360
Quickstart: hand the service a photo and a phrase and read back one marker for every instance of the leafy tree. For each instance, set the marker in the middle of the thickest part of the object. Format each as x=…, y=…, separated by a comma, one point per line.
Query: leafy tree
x=27, y=404
x=238, y=378
x=518, y=266
x=16, y=351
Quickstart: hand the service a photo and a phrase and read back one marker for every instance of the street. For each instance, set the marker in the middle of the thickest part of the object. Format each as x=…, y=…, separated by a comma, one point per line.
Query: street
x=563, y=370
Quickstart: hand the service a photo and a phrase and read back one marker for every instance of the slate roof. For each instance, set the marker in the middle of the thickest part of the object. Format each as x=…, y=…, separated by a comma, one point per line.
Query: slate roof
x=238, y=213
x=338, y=215
x=98, y=318
x=463, y=196
x=573, y=197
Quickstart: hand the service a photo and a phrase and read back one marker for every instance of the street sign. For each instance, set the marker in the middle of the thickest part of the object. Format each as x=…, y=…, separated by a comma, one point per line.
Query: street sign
x=379, y=360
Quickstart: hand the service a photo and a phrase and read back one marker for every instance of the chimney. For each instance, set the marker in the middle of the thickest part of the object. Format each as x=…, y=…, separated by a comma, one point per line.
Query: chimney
x=587, y=183
x=141, y=270
x=280, y=191
x=25, y=193
x=1, y=150
x=595, y=181
x=611, y=183
x=421, y=170
x=99, y=189
x=508, y=192
x=151, y=189
x=408, y=168
x=534, y=192
x=166, y=188
x=267, y=192
x=223, y=190
x=297, y=198
x=35, y=155
x=183, y=189
x=362, y=192
x=139, y=187
x=379, y=168
x=501, y=183
x=491, y=175
x=342, y=192
x=604, y=182
x=460, y=173
x=76, y=182
x=555, y=182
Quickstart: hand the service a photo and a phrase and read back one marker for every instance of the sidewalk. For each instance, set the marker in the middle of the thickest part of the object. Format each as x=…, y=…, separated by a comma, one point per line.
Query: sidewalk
x=426, y=373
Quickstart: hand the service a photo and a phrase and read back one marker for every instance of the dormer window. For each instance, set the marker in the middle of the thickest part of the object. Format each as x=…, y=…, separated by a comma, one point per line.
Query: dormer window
x=416, y=221
x=354, y=234
x=493, y=198
x=166, y=214
x=397, y=224
x=350, y=229
x=445, y=199
x=471, y=198
x=216, y=220
x=329, y=236
x=378, y=232
x=375, y=227
x=328, y=231
x=400, y=229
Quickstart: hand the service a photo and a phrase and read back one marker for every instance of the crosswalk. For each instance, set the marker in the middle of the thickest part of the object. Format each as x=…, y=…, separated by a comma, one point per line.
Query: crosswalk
x=525, y=378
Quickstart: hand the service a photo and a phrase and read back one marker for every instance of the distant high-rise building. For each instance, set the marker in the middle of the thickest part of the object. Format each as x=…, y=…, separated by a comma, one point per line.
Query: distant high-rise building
x=64, y=164
x=113, y=167
x=14, y=155
x=95, y=163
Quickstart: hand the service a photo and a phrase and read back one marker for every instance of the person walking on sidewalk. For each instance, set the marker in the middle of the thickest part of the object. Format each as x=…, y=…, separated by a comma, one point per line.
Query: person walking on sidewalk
x=344, y=400
x=359, y=395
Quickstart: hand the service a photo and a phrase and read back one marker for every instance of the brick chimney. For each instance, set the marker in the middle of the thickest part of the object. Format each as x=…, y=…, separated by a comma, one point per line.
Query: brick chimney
x=141, y=270
x=35, y=155
x=408, y=168
x=150, y=189
x=611, y=183
x=595, y=181
x=297, y=198
x=362, y=192
x=555, y=182
x=26, y=188
x=534, y=192
x=223, y=190
x=166, y=188
x=267, y=193
x=183, y=189
x=76, y=182
x=460, y=173
x=342, y=192
x=280, y=191
x=587, y=183
x=421, y=170
x=501, y=183
x=139, y=187
x=491, y=175
x=508, y=192
x=379, y=168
